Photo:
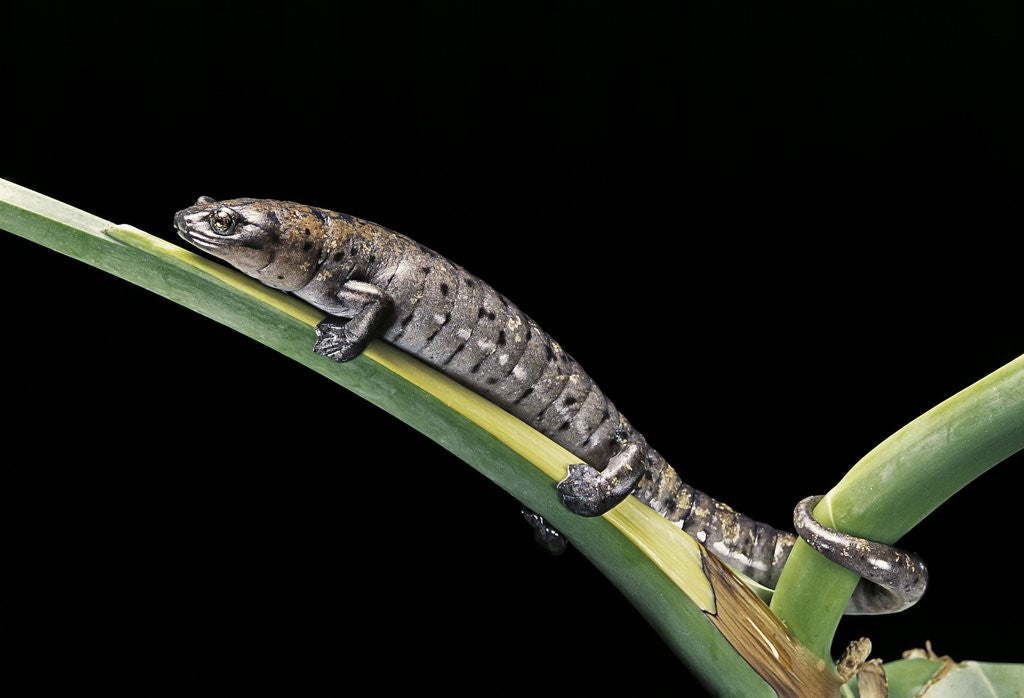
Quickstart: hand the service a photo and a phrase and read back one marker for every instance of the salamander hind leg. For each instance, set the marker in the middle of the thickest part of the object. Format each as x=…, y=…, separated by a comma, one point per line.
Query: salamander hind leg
x=588, y=492
x=344, y=340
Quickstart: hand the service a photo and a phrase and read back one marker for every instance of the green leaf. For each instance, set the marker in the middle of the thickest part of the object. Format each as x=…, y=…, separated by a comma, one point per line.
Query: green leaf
x=978, y=679
x=907, y=677
x=926, y=678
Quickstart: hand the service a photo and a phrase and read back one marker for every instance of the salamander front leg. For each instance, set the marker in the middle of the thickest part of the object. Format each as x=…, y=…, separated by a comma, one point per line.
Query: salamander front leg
x=589, y=492
x=344, y=340
x=546, y=535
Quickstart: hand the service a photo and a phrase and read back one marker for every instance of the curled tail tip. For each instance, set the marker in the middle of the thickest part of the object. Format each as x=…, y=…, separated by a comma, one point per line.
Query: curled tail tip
x=893, y=579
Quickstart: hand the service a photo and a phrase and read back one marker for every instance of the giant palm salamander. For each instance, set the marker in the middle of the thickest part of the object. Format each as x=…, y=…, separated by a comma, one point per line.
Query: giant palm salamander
x=376, y=283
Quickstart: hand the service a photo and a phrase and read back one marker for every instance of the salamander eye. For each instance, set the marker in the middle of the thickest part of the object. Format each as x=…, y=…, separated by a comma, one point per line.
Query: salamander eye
x=222, y=221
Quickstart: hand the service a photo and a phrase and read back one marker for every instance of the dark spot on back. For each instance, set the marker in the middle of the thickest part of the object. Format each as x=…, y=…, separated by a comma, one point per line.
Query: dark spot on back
x=551, y=353
x=406, y=320
x=338, y=256
x=490, y=315
x=565, y=425
x=352, y=250
x=444, y=289
x=526, y=394
x=274, y=236
x=569, y=401
x=370, y=259
x=308, y=246
x=492, y=380
x=469, y=282
x=529, y=334
x=480, y=315
x=501, y=338
x=273, y=217
x=455, y=353
x=503, y=301
x=425, y=270
x=305, y=231
x=280, y=276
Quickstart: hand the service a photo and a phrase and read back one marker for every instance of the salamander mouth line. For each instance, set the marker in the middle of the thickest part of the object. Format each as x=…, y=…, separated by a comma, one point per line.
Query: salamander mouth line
x=202, y=241
x=195, y=237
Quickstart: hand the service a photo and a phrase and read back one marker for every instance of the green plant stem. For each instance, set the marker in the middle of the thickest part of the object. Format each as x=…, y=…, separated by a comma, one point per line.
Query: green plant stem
x=895, y=486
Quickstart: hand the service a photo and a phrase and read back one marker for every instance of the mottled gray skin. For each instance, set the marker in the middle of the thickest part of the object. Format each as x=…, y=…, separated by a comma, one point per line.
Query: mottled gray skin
x=899, y=577
x=375, y=282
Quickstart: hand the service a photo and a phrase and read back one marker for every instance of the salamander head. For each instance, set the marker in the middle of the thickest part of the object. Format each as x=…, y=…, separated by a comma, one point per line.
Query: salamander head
x=276, y=242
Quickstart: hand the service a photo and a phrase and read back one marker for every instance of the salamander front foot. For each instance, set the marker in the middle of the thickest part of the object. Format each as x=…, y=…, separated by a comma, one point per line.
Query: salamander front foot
x=546, y=535
x=333, y=342
x=344, y=340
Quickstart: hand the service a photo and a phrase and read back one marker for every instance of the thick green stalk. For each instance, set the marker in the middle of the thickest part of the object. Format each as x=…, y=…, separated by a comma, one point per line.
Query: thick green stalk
x=895, y=486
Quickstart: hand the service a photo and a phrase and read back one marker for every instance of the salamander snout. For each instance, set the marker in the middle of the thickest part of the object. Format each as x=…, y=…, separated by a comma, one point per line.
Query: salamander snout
x=179, y=222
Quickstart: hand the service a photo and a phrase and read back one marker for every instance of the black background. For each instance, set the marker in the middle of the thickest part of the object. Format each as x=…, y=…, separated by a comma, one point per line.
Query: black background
x=772, y=238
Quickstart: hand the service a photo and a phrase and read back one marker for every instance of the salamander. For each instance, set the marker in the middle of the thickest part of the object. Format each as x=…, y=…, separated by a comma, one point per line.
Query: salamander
x=373, y=282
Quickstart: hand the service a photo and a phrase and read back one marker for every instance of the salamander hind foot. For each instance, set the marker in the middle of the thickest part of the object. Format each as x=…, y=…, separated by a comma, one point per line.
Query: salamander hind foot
x=584, y=492
x=587, y=492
